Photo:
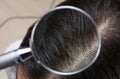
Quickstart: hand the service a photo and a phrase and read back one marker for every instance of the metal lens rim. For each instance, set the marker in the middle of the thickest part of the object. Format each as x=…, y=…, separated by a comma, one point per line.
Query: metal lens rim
x=58, y=72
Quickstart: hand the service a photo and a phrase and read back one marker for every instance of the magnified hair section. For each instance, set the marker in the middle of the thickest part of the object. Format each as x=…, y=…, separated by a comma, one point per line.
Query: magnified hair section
x=66, y=40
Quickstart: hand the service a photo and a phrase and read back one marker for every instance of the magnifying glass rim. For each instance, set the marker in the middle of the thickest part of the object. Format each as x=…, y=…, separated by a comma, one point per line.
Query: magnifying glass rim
x=58, y=72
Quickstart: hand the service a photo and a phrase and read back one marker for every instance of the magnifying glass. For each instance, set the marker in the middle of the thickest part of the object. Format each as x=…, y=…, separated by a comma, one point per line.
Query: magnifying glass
x=53, y=42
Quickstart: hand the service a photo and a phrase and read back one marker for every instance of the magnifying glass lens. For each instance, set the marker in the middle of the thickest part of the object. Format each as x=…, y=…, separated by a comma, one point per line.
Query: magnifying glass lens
x=65, y=41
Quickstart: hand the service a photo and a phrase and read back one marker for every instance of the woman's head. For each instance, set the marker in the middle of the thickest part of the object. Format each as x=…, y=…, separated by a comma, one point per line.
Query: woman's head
x=66, y=39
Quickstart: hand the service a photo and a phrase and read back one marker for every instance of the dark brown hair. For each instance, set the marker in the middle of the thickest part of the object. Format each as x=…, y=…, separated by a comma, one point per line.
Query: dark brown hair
x=106, y=14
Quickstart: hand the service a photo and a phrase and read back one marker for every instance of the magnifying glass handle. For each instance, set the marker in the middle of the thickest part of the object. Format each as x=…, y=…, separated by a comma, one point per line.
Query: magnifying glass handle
x=14, y=57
